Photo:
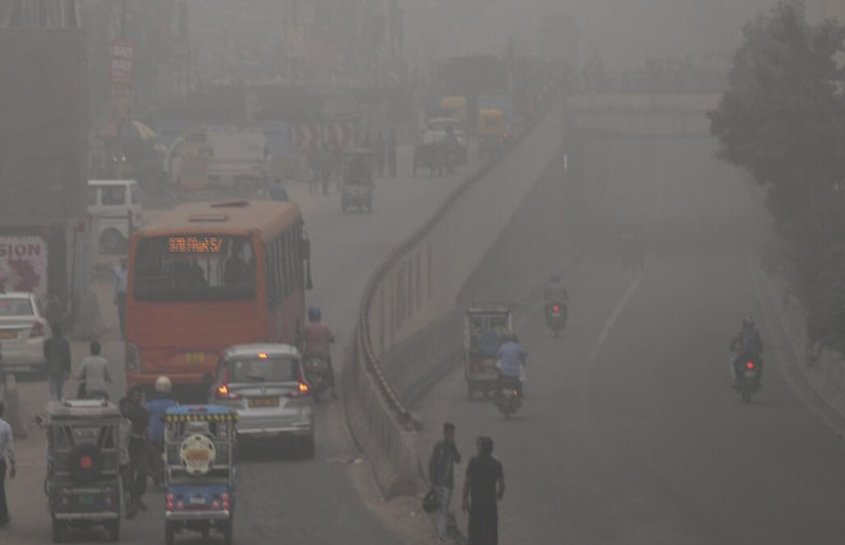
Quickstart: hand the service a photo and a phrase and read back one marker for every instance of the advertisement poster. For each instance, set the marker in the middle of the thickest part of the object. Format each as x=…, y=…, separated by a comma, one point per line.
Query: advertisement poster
x=23, y=264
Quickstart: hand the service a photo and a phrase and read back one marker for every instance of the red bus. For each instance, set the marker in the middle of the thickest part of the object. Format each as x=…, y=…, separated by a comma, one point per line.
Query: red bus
x=206, y=276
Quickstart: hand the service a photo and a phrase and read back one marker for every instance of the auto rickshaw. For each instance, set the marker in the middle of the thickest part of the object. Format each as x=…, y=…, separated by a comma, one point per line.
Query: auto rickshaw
x=83, y=482
x=199, y=443
x=357, y=180
x=484, y=327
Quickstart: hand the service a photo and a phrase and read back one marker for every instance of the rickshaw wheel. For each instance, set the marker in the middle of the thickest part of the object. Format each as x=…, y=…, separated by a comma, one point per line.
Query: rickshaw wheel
x=113, y=528
x=58, y=531
x=169, y=533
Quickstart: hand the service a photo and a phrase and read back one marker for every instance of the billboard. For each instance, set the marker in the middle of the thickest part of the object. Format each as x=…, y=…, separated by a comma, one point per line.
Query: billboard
x=23, y=264
x=43, y=126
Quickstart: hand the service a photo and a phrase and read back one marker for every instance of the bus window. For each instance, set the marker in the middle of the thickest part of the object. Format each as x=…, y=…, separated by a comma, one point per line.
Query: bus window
x=194, y=267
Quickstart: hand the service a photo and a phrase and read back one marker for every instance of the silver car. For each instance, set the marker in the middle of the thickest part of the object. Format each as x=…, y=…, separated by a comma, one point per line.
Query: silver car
x=23, y=330
x=266, y=384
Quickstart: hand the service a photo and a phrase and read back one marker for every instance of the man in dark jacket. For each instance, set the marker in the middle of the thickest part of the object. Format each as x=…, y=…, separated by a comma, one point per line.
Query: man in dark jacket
x=441, y=475
x=57, y=358
x=483, y=489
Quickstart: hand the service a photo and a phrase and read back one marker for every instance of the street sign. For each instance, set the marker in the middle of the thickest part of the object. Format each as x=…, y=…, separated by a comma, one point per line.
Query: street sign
x=122, y=63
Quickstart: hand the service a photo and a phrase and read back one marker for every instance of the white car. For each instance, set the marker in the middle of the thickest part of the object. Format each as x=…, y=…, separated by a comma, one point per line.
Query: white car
x=23, y=330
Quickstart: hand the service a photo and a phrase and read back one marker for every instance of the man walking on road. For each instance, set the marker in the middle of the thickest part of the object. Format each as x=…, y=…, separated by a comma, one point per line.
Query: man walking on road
x=120, y=274
x=7, y=456
x=138, y=452
x=441, y=475
x=484, y=487
x=57, y=356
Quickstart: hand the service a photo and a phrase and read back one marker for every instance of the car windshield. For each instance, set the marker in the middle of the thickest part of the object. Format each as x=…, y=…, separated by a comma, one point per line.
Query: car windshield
x=16, y=306
x=270, y=369
x=194, y=268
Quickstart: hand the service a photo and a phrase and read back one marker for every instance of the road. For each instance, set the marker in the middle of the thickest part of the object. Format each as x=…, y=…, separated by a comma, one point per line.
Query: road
x=630, y=434
x=314, y=502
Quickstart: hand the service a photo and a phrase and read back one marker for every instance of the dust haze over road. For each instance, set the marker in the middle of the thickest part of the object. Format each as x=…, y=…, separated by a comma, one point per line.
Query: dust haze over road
x=630, y=433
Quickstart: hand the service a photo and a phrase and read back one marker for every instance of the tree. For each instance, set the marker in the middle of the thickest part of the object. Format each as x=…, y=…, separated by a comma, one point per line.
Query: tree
x=783, y=117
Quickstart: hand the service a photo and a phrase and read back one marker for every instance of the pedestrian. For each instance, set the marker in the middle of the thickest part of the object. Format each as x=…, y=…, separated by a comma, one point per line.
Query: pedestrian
x=278, y=192
x=325, y=168
x=484, y=487
x=138, y=452
x=441, y=476
x=7, y=457
x=93, y=374
x=123, y=451
x=379, y=150
x=120, y=274
x=391, y=152
x=57, y=358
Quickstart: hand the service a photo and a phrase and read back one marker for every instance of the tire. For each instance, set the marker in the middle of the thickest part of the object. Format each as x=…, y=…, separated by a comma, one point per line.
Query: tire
x=229, y=531
x=111, y=241
x=113, y=529
x=309, y=447
x=169, y=533
x=58, y=531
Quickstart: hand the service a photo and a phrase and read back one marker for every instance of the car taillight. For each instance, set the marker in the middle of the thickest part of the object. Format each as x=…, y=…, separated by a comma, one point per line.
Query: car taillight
x=38, y=330
x=133, y=358
x=750, y=365
x=302, y=390
x=170, y=502
x=223, y=392
x=556, y=308
x=86, y=462
x=225, y=499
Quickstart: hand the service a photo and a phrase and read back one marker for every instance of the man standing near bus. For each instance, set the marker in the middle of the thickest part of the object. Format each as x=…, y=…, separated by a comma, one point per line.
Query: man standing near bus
x=120, y=277
x=318, y=340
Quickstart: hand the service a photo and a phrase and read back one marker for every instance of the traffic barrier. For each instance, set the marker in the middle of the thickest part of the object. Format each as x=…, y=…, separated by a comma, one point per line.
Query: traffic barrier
x=415, y=290
x=12, y=404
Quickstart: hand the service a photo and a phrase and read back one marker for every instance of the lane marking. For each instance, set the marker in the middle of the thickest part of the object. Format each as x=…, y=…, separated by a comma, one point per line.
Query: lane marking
x=592, y=356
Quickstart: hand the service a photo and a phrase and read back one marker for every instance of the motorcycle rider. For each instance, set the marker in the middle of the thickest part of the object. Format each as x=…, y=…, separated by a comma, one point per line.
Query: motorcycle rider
x=511, y=362
x=554, y=293
x=318, y=339
x=156, y=408
x=748, y=344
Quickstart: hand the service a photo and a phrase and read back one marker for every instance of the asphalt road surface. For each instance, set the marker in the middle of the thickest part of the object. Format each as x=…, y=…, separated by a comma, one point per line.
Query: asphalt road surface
x=630, y=433
x=281, y=498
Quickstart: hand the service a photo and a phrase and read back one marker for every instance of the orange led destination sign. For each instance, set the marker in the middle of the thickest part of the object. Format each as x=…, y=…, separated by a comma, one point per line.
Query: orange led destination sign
x=195, y=245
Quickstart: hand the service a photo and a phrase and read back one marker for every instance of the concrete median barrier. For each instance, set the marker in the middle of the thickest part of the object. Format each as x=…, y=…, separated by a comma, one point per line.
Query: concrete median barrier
x=407, y=319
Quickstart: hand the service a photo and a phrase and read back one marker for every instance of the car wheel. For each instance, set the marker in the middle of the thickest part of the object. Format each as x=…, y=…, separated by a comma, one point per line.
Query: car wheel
x=229, y=531
x=111, y=241
x=113, y=528
x=58, y=531
x=169, y=533
x=309, y=447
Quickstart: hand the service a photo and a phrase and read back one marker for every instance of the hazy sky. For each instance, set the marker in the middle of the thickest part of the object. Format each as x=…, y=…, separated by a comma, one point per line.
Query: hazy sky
x=623, y=33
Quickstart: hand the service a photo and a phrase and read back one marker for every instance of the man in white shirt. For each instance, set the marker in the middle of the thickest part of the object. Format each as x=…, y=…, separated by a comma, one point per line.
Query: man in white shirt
x=7, y=456
x=94, y=373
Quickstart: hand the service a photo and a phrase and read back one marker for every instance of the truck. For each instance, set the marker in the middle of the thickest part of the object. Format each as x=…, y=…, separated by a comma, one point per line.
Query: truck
x=218, y=156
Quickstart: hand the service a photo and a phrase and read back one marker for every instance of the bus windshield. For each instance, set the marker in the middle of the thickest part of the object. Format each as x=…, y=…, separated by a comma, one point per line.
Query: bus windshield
x=194, y=268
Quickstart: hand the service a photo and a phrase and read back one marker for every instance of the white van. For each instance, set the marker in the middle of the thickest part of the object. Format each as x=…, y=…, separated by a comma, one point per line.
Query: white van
x=115, y=209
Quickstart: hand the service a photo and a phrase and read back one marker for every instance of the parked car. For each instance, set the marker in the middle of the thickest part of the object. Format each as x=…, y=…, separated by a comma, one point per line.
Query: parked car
x=266, y=384
x=116, y=209
x=23, y=330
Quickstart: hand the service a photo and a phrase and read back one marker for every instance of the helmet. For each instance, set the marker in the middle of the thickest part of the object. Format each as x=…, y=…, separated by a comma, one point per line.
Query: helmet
x=555, y=278
x=314, y=314
x=163, y=385
x=748, y=321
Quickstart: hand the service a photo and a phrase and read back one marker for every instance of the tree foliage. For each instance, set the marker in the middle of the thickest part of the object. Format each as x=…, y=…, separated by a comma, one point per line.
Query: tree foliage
x=783, y=120
x=783, y=117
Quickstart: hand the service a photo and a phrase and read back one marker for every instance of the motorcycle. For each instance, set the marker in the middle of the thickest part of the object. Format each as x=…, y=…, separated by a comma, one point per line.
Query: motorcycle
x=748, y=377
x=556, y=315
x=508, y=398
x=318, y=374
